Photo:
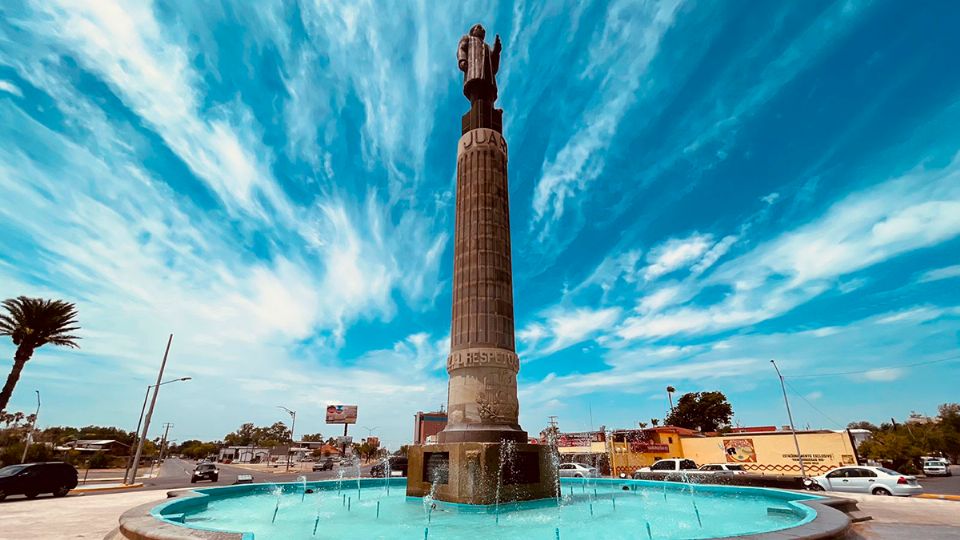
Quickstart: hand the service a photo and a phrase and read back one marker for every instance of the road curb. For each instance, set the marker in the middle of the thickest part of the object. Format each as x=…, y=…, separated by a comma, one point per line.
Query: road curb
x=98, y=489
x=938, y=497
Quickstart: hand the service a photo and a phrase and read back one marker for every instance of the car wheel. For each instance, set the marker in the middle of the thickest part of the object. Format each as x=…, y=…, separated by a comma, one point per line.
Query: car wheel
x=882, y=491
x=816, y=487
x=216, y=478
x=31, y=495
x=61, y=491
x=193, y=480
x=3, y=494
x=578, y=475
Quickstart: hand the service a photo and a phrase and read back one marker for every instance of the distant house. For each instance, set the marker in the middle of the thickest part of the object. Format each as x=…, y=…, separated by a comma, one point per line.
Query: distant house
x=245, y=454
x=108, y=446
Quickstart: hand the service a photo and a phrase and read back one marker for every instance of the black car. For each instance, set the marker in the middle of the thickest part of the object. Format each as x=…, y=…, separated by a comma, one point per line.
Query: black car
x=397, y=464
x=205, y=471
x=32, y=479
x=326, y=465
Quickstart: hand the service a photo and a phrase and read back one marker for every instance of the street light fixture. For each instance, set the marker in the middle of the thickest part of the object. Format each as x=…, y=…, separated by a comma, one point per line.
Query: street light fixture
x=136, y=434
x=796, y=441
x=293, y=424
x=33, y=426
x=146, y=422
x=670, y=391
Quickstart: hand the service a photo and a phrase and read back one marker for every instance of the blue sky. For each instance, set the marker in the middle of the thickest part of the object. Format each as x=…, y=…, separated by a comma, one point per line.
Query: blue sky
x=696, y=188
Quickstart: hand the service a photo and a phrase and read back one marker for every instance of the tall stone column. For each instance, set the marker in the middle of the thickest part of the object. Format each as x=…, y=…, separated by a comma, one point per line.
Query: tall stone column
x=483, y=364
x=482, y=456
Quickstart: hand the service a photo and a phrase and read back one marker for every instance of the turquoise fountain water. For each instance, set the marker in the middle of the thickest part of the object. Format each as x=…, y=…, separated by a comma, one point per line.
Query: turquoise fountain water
x=603, y=509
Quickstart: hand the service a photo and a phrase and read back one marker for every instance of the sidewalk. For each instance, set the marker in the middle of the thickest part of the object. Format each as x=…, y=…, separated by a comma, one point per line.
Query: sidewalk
x=73, y=516
x=939, y=497
x=112, y=486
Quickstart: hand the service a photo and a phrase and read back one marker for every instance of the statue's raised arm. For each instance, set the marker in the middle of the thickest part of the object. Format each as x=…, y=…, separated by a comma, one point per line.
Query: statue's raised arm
x=479, y=65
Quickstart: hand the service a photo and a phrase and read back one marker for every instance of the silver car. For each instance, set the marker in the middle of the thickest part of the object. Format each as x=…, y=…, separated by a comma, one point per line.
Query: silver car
x=874, y=480
x=936, y=467
x=578, y=470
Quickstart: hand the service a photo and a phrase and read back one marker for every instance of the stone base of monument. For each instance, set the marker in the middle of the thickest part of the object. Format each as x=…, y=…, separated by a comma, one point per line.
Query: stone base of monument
x=469, y=472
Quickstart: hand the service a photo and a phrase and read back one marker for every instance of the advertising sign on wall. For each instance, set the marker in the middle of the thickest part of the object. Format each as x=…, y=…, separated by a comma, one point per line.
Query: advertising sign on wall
x=740, y=451
x=638, y=446
x=579, y=439
x=341, y=414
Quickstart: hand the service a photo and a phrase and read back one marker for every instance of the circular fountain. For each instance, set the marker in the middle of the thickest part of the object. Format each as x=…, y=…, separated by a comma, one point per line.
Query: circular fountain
x=586, y=508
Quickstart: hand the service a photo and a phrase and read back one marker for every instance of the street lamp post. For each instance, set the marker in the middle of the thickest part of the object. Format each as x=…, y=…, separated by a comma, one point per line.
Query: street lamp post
x=136, y=434
x=293, y=425
x=670, y=391
x=33, y=426
x=796, y=441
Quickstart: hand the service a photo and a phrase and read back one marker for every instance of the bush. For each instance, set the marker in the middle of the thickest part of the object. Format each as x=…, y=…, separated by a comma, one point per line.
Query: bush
x=99, y=461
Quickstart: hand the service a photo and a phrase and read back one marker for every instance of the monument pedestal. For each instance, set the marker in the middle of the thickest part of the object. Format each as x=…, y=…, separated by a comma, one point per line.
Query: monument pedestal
x=468, y=472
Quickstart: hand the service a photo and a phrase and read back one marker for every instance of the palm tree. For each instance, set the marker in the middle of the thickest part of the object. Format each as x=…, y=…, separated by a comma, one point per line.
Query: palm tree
x=32, y=323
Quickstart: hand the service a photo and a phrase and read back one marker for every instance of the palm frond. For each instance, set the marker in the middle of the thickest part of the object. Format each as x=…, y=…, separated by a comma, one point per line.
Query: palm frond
x=38, y=321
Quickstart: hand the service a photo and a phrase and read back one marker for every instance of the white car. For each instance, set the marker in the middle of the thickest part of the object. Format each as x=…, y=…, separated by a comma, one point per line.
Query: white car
x=671, y=465
x=936, y=467
x=578, y=470
x=874, y=480
x=722, y=468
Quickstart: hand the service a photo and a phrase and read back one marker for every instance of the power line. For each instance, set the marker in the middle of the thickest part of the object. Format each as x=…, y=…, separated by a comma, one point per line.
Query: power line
x=814, y=407
x=926, y=363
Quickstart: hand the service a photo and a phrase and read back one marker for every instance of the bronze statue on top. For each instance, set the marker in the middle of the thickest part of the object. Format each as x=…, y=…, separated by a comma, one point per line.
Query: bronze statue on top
x=479, y=64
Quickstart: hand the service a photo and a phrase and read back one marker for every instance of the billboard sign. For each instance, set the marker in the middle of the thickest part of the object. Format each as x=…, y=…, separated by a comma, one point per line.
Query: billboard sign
x=741, y=451
x=341, y=414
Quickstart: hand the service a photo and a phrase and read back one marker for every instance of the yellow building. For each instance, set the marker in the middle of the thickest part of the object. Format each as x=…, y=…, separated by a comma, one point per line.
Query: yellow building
x=635, y=448
x=774, y=452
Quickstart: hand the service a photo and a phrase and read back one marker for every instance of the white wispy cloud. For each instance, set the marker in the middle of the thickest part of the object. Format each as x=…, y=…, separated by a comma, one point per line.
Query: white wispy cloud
x=947, y=272
x=581, y=159
x=919, y=209
x=676, y=253
x=10, y=88
x=148, y=66
x=562, y=328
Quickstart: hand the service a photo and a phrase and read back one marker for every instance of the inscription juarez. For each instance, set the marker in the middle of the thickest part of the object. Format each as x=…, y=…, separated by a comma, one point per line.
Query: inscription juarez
x=483, y=357
x=481, y=138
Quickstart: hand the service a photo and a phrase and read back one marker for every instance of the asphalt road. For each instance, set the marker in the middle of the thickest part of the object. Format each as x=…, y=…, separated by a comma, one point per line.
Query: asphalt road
x=176, y=474
x=943, y=485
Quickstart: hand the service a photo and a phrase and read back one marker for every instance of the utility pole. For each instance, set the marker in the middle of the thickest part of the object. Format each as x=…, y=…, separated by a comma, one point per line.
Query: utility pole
x=793, y=430
x=293, y=425
x=163, y=441
x=33, y=426
x=146, y=423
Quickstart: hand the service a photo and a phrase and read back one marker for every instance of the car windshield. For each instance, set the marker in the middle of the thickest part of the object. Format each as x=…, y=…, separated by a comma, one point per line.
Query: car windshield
x=12, y=470
x=205, y=467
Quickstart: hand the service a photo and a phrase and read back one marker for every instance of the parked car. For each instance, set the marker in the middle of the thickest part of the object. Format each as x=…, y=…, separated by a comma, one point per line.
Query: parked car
x=325, y=465
x=936, y=467
x=398, y=467
x=205, y=471
x=874, y=480
x=670, y=465
x=578, y=470
x=722, y=468
x=32, y=479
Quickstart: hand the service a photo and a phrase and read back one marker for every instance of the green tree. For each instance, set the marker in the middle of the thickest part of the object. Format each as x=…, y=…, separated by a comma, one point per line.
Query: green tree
x=706, y=411
x=32, y=323
x=863, y=424
x=894, y=446
x=312, y=437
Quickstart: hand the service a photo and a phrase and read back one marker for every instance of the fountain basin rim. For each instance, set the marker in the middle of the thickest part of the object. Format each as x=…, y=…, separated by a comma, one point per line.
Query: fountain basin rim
x=147, y=521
